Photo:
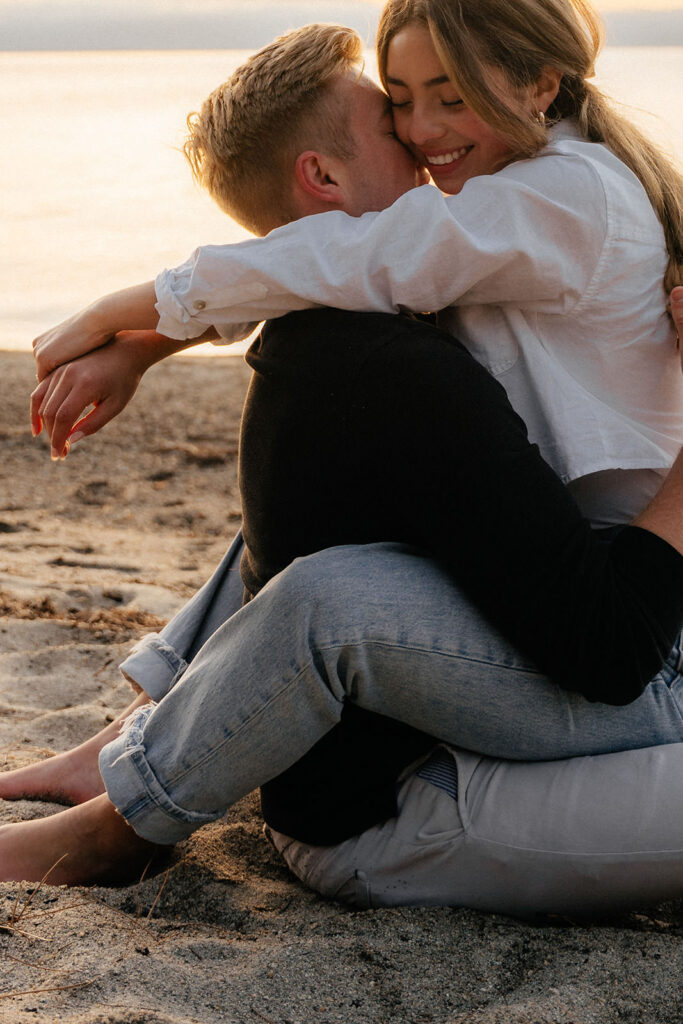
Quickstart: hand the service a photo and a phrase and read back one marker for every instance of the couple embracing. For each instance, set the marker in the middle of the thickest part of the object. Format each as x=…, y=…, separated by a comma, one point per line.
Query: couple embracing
x=451, y=656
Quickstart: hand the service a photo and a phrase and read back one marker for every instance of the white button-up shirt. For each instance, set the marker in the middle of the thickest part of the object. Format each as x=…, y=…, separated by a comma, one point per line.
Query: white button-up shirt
x=549, y=271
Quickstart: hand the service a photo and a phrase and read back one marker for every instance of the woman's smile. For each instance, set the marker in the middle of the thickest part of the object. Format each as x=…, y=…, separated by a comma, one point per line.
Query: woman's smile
x=443, y=163
x=431, y=118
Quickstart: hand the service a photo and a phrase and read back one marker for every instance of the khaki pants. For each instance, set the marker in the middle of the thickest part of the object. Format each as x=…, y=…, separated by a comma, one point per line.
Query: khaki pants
x=586, y=835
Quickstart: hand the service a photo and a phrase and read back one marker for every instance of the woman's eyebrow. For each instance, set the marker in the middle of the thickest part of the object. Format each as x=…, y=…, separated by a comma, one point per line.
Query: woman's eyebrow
x=439, y=80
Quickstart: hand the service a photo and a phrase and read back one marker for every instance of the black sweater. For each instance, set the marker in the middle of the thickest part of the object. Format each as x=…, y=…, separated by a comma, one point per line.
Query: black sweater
x=367, y=427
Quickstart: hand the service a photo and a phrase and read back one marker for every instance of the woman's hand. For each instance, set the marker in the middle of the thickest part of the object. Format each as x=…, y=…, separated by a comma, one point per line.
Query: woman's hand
x=128, y=310
x=74, y=337
x=106, y=379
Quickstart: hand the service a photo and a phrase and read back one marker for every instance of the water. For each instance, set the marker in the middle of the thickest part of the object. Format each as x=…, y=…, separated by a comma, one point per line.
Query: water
x=97, y=196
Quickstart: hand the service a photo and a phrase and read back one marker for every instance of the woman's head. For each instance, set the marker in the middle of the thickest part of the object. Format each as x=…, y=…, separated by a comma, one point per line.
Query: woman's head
x=496, y=53
x=508, y=61
x=434, y=118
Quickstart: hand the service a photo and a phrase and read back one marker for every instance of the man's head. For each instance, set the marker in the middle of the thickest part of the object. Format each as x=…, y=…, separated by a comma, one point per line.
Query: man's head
x=298, y=130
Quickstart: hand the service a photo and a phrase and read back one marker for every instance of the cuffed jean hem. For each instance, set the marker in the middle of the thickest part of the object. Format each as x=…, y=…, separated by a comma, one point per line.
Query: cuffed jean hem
x=154, y=665
x=138, y=795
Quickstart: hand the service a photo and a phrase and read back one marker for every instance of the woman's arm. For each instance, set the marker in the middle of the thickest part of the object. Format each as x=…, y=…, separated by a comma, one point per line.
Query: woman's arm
x=507, y=237
x=510, y=237
x=130, y=309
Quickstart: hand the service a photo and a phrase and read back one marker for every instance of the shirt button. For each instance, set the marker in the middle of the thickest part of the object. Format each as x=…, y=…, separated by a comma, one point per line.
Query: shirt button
x=199, y=304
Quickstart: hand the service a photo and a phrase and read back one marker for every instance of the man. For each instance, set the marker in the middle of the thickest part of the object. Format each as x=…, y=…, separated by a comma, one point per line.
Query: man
x=393, y=384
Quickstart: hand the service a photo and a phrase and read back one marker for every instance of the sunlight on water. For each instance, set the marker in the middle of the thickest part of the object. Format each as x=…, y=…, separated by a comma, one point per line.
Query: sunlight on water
x=97, y=196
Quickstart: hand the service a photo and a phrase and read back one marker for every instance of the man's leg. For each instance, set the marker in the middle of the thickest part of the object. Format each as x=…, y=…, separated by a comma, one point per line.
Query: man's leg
x=381, y=626
x=589, y=835
x=156, y=662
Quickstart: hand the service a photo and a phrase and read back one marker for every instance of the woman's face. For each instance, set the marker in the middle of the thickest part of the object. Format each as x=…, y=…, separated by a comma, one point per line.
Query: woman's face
x=431, y=119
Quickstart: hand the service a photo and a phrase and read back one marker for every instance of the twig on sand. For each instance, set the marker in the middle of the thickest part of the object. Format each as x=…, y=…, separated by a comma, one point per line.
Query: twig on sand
x=138, y=908
x=52, y=988
x=13, y=917
x=35, y=967
x=158, y=895
x=10, y=929
x=56, y=910
x=258, y=1013
x=27, y=904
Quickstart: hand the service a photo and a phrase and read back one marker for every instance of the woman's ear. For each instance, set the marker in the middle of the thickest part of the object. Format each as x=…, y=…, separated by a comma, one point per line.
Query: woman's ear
x=316, y=176
x=546, y=88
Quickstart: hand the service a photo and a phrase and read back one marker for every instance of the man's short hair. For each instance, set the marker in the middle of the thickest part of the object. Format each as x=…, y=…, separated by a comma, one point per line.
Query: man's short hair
x=243, y=144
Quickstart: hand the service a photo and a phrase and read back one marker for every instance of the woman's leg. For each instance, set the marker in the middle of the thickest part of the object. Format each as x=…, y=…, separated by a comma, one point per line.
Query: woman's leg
x=381, y=626
x=87, y=843
x=584, y=836
x=71, y=777
x=160, y=659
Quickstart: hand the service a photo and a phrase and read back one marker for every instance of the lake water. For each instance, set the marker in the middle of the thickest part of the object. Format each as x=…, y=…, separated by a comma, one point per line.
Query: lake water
x=96, y=195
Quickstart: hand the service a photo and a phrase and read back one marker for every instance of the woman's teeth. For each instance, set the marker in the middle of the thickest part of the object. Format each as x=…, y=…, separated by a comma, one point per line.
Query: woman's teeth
x=447, y=158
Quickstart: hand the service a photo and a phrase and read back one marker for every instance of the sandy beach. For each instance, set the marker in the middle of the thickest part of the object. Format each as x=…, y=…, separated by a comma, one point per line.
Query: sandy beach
x=105, y=546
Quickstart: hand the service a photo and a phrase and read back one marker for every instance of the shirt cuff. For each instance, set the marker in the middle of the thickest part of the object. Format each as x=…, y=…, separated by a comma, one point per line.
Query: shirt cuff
x=174, y=319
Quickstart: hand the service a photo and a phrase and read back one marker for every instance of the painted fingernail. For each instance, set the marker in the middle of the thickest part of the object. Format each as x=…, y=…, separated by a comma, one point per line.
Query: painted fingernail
x=77, y=435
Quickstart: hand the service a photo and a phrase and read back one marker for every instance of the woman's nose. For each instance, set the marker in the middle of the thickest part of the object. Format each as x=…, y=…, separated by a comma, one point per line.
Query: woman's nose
x=424, y=127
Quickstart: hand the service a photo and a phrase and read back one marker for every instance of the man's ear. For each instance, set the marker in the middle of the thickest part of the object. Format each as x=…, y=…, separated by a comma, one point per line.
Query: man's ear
x=546, y=88
x=316, y=176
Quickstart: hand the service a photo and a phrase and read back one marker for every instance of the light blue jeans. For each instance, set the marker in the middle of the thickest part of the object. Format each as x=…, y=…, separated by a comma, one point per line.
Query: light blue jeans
x=240, y=697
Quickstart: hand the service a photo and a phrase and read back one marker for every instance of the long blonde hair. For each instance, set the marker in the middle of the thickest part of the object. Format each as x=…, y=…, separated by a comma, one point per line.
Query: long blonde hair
x=521, y=38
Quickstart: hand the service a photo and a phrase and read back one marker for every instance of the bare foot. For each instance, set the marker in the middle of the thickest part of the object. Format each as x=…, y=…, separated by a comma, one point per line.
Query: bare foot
x=69, y=778
x=85, y=844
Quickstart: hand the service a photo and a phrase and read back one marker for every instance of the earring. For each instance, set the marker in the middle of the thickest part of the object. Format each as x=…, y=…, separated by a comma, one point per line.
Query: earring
x=540, y=117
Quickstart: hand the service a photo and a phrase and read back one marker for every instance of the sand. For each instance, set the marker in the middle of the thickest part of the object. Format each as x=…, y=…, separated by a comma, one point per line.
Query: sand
x=94, y=552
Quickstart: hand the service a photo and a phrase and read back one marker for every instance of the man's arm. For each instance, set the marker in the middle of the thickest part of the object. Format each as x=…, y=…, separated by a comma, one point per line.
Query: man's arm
x=664, y=514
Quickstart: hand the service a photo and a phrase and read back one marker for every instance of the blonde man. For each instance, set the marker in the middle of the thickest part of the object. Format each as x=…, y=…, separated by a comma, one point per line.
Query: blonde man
x=361, y=429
